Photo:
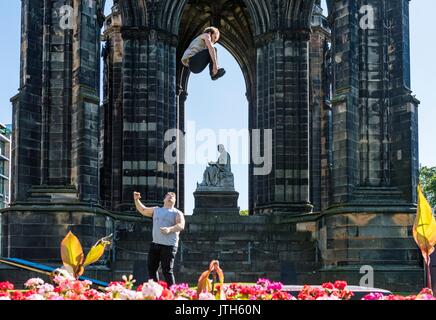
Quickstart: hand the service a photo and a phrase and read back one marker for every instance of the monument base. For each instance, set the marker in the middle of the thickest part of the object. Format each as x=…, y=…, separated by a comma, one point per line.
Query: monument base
x=216, y=202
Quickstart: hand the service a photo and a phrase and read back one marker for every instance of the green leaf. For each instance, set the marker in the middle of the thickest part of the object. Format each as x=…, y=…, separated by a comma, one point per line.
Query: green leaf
x=427, y=177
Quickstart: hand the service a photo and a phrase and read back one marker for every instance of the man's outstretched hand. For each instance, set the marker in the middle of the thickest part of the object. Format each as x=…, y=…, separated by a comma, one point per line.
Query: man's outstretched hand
x=136, y=196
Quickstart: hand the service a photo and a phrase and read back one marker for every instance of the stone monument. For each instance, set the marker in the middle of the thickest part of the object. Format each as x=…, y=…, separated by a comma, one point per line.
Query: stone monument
x=216, y=194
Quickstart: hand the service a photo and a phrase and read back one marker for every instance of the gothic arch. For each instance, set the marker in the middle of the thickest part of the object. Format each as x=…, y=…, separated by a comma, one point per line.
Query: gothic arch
x=167, y=15
x=133, y=13
x=172, y=12
x=269, y=40
x=298, y=14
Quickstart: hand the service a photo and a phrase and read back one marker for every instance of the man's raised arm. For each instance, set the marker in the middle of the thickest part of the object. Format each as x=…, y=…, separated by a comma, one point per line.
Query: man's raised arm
x=145, y=211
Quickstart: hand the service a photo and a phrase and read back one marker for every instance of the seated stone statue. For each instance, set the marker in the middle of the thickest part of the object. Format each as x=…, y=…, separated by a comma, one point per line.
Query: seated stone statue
x=219, y=174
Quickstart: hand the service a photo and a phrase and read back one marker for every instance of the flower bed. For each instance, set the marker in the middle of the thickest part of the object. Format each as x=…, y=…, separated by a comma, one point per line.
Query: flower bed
x=65, y=288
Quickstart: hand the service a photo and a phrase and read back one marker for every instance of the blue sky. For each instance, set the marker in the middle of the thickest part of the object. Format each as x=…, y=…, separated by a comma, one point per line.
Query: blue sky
x=228, y=108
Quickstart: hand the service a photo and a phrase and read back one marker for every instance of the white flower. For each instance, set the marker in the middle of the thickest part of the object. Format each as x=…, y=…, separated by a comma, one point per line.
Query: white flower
x=206, y=296
x=87, y=283
x=152, y=289
x=129, y=279
x=328, y=298
x=5, y=298
x=35, y=297
x=131, y=295
x=60, y=275
x=34, y=283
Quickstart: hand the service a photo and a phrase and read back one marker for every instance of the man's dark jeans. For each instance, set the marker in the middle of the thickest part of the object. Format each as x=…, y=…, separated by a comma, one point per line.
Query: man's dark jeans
x=165, y=256
x=200, y=61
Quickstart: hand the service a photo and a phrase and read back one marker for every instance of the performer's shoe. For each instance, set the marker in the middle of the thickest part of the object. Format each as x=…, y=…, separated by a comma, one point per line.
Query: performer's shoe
x=219, y=74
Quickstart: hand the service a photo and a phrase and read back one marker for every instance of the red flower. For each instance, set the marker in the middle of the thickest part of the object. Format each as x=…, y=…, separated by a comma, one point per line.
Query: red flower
x=29, y=293
x=6, y=286
x=340, y=285
x=163, y=284
x=17, y=295
x=117, y=283
x=139, y=289
x=166, y=295
x=91, y=295
x=329, y=286
x=282, y=296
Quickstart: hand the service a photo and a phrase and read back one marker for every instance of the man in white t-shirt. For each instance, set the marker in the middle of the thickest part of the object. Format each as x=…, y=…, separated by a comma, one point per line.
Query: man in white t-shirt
x=168, y=222
x=201, y=53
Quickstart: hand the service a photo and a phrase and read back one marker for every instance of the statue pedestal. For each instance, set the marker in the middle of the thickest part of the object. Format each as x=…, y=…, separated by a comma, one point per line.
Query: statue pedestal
x=216, y=202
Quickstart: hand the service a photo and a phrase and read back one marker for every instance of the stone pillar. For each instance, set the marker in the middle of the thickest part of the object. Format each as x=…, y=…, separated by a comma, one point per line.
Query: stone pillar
x=181, y=149
x=319, y=111
x=372, y=105
x=112, y=113
x=26, y=137
x=283, y=106
x=56, y=121
x=403, y=129
x=345, y=99
x=59, y=149
x=374, y=146
x=85, y=102
x=57, y=94
x=149, y=111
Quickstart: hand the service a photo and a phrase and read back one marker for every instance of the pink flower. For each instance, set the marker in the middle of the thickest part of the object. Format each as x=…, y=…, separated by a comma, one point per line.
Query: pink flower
x=206, y=296
x=374, y=296
x=425, y=297
x=425, y=294
x=55, y=297
x=426, y=291
x=275, y=286
x=45, y=289
x=35, y=297
x=115, y=290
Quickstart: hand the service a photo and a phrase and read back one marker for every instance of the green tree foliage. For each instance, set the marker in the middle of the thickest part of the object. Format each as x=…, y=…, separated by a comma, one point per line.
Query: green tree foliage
x=427, y=177
x=244, y=213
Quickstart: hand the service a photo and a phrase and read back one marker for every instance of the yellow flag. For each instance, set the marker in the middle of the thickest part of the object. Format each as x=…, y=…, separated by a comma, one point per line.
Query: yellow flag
x=424, y=228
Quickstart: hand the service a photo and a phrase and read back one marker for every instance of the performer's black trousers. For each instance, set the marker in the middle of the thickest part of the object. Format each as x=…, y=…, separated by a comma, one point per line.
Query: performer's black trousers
x=200, y=61
x=165, y=256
